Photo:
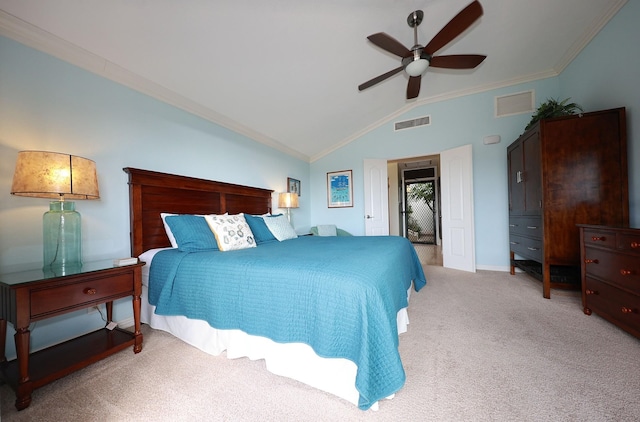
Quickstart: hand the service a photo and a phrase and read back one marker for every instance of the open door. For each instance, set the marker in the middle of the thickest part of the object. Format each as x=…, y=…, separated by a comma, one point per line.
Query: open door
x=376, y=198
x=458, y=238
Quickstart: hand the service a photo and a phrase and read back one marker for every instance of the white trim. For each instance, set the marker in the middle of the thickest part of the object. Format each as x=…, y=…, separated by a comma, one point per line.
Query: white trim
x=589, y=34
x=493, y=268
x=126, y=323
x=435, y=99
x=34, y=37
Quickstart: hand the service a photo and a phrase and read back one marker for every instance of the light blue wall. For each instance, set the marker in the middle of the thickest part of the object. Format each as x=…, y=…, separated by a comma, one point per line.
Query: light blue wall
x=456, y=122
x=605, y=75
x=47, y=104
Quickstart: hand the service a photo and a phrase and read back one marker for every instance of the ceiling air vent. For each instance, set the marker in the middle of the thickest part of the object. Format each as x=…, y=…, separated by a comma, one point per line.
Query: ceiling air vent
x=409, y=124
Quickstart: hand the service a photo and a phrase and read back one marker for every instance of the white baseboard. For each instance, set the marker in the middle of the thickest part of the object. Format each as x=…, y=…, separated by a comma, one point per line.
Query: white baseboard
x=126, y=323
x=493, y=268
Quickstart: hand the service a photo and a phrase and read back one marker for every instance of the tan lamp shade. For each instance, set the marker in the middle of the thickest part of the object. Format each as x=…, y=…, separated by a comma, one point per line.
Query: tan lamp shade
x=288, y=200
x=43, y=174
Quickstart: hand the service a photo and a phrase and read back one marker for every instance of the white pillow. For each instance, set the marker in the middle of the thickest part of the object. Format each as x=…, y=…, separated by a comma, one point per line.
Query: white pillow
x=280, y=227
x=327, y=230
x=231, y=231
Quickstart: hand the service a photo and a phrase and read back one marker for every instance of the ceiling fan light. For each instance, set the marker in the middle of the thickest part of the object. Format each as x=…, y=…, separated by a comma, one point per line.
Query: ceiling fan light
x=417, y=67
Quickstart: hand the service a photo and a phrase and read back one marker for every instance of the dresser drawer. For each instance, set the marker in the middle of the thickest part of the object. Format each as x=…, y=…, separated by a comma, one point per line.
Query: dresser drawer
x=528, y=226
x=614, y=304
x=80, y=294
x=629, y=242
x=619, y=269
x=600, y=238
x=526, y=247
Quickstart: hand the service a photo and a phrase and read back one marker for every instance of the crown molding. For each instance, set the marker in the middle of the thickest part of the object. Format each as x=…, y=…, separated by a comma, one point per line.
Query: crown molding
x=435, y=99
x=36, y=38
x=569, y=56
x=588, y=35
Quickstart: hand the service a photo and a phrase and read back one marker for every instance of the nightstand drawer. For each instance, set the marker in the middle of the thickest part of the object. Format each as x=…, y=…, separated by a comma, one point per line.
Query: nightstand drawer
x=79, y=295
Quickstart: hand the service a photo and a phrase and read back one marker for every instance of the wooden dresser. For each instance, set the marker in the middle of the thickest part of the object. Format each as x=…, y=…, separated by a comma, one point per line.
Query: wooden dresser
x=562, y=172
x=611, y=274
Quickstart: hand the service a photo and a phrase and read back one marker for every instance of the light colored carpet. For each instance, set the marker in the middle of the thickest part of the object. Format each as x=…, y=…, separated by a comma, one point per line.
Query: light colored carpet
x=480, y=347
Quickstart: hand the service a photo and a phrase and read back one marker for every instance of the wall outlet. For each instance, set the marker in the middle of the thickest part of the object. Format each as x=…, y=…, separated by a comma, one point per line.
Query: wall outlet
x=93, y=309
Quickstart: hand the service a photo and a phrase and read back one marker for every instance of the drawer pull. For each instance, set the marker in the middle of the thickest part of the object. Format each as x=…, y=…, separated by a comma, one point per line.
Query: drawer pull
x=626, y=272
x=532, y=227
x=591, y=292
x=514, y=243
x=626, y=310
x=513, y=225
x=90, y=291
x=590, y=261
x=532, y=249
x=596, y=238
x=635, y=245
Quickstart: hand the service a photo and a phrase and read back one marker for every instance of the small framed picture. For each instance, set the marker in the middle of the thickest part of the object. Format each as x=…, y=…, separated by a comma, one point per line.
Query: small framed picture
x=293, y=185
x=340, y=189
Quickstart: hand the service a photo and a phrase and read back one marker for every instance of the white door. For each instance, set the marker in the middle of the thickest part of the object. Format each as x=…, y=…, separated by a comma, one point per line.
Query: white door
x=458, y=239
x=376, y=198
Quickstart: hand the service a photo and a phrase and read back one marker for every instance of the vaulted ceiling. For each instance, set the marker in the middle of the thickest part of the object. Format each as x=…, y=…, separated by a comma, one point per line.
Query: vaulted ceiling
x=286, y=72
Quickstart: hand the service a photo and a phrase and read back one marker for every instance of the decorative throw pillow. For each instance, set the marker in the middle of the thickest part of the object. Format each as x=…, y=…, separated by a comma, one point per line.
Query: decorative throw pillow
x=280, y=227
x=327, y=230
x=167, y=229
x=191, y=233
x=232, y=231
x=259, y=228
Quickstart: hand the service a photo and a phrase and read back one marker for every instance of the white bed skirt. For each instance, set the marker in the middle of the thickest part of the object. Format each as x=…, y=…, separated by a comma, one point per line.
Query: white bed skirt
x=297, y=361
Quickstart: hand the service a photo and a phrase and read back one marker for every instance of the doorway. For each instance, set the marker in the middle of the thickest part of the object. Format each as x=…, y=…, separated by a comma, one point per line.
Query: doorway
x=421, y=206
x=455, y=242
x=418, y=206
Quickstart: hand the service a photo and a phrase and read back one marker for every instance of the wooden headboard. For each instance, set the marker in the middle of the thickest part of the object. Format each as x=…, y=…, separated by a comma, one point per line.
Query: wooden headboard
x=151, y=193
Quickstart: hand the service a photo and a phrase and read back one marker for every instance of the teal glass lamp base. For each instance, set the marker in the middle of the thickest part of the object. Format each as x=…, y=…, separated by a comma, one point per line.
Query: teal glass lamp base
x=62, y=238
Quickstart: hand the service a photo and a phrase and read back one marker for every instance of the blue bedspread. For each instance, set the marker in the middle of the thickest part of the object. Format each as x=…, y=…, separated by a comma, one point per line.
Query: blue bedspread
x=340, y=295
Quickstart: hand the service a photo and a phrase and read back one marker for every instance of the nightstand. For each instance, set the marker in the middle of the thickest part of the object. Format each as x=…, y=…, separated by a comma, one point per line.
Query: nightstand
x=30, y=296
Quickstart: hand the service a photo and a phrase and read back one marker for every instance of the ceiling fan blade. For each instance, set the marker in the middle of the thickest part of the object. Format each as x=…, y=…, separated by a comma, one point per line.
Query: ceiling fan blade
x=455, y=27
x=457, y=61
x=390, y=44
x=380, y=78
x=413, y=87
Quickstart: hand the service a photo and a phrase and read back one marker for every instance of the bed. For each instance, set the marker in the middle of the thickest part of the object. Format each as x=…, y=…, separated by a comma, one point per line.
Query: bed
x=312, y=314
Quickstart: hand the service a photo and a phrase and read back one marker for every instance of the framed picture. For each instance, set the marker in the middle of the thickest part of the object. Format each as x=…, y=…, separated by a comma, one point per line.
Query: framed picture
x=340, y=189
x=293, y=185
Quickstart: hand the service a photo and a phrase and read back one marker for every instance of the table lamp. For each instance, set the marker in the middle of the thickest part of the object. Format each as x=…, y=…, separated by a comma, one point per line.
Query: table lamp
x=288, y=200
x=57, y=176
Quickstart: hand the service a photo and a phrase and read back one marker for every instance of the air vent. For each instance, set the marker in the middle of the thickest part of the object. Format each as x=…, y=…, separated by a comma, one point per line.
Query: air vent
x=409, y=124
x=519, y=103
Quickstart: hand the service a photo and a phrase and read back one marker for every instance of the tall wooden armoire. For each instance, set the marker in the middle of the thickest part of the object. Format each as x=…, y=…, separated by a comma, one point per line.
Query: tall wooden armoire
x=562, y=172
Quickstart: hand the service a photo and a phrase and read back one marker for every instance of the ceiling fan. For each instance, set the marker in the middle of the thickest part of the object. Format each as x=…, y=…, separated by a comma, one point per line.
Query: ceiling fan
x=416, y=60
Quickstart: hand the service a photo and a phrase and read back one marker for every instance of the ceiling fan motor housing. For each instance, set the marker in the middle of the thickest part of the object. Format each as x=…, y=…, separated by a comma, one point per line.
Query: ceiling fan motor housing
x=418, y=62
